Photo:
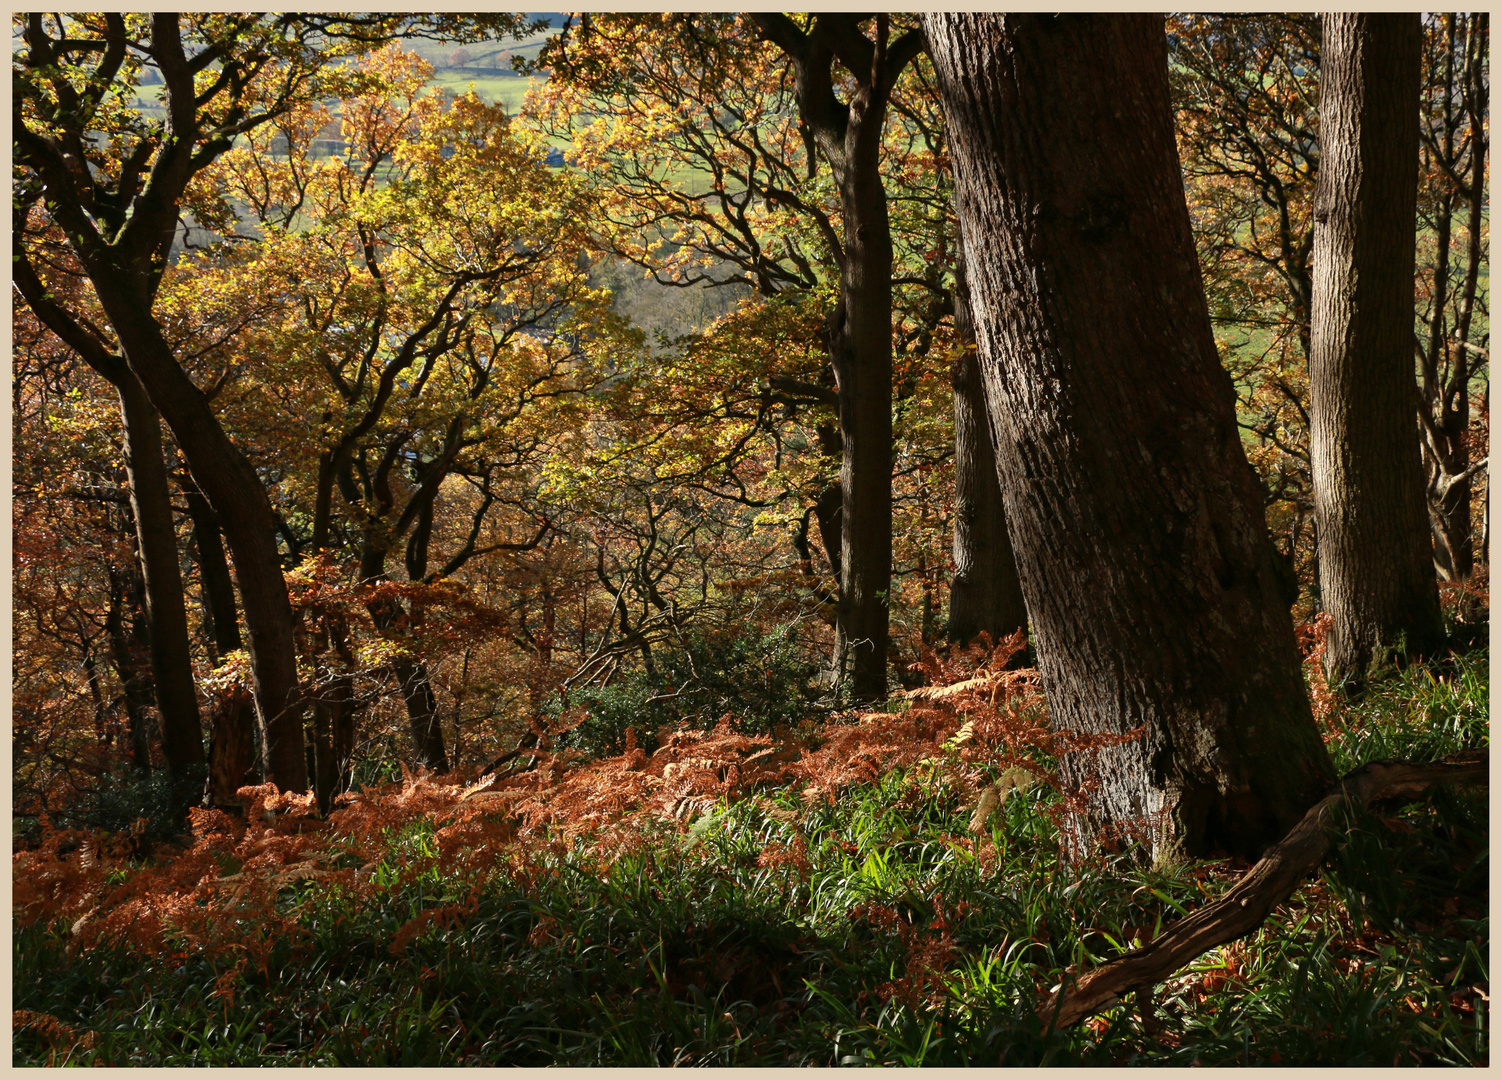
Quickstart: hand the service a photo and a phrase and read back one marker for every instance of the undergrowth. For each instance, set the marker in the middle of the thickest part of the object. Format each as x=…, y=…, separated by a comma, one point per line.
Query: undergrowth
x=734, y=900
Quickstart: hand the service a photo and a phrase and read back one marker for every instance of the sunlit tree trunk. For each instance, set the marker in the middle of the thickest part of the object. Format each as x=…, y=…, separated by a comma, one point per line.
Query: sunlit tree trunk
x=1376, y=572
x=1136, y=520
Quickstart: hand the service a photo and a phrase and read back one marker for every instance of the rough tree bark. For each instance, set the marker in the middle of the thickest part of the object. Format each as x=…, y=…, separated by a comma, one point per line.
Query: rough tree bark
x=986, y=594
x=1136, y=519
x=1376, y=571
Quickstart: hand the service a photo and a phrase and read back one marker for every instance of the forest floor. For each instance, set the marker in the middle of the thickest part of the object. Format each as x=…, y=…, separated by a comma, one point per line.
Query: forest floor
x=734, y=900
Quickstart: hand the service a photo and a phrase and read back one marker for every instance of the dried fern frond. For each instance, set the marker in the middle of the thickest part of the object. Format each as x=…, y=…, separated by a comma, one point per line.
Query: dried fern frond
x=981, y=684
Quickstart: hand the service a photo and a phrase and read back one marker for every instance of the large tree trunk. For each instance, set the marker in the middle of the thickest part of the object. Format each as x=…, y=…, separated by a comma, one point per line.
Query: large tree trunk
x=231, y=740
x=1376, y=572
x=986, y=594
x=166, y=612
x=1136, y=519
x=230, y=483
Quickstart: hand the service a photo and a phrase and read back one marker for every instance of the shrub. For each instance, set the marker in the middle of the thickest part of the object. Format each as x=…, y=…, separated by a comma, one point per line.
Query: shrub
x=762, y=681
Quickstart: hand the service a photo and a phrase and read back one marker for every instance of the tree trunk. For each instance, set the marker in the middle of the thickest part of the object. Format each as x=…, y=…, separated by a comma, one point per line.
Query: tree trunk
x=126, y=645
x=860, y=350
x=333, y=710
x=166, y=612
x=411, y=675
x=1136, y=520
x=1377, y=577
x=231, y=740
x=986, y=594
x=849, y=135
x=422, y=714
x=865, y=482
x=230, y=483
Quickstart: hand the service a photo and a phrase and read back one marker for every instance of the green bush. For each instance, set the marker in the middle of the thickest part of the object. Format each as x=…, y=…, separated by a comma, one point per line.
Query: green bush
x=124, y=797
x=764, y=682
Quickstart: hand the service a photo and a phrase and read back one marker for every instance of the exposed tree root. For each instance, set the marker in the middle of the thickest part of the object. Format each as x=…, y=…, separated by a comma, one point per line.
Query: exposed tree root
x=1248, y=903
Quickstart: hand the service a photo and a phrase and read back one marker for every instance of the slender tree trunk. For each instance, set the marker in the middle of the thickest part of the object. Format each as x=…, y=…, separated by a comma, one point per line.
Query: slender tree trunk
x=127, y=643
x=986, y=594
x=860, y=349
x=411, y=675
x=1136, y=520
x=422, y=714
x=863, y=366
x=849, y=136
x=1377, y=577
x=230, y=483
x=166, y=611
x=231, y=739
x=333, y=711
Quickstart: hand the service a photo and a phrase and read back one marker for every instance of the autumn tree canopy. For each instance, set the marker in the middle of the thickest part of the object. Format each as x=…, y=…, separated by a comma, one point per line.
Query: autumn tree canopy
x=340, y=393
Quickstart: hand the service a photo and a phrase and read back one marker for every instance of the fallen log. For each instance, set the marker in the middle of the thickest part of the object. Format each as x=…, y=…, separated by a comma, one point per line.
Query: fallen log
x=1247, y=904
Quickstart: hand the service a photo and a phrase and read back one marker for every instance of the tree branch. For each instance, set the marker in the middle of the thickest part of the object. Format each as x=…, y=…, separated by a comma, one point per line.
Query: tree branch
x=1249, y=902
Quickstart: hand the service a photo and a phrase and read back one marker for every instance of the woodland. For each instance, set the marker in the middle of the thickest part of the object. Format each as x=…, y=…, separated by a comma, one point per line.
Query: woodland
x=750, y=539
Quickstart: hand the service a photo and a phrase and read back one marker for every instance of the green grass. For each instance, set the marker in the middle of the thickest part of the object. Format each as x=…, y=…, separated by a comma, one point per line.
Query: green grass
x=689, y=952
x=508, y=90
